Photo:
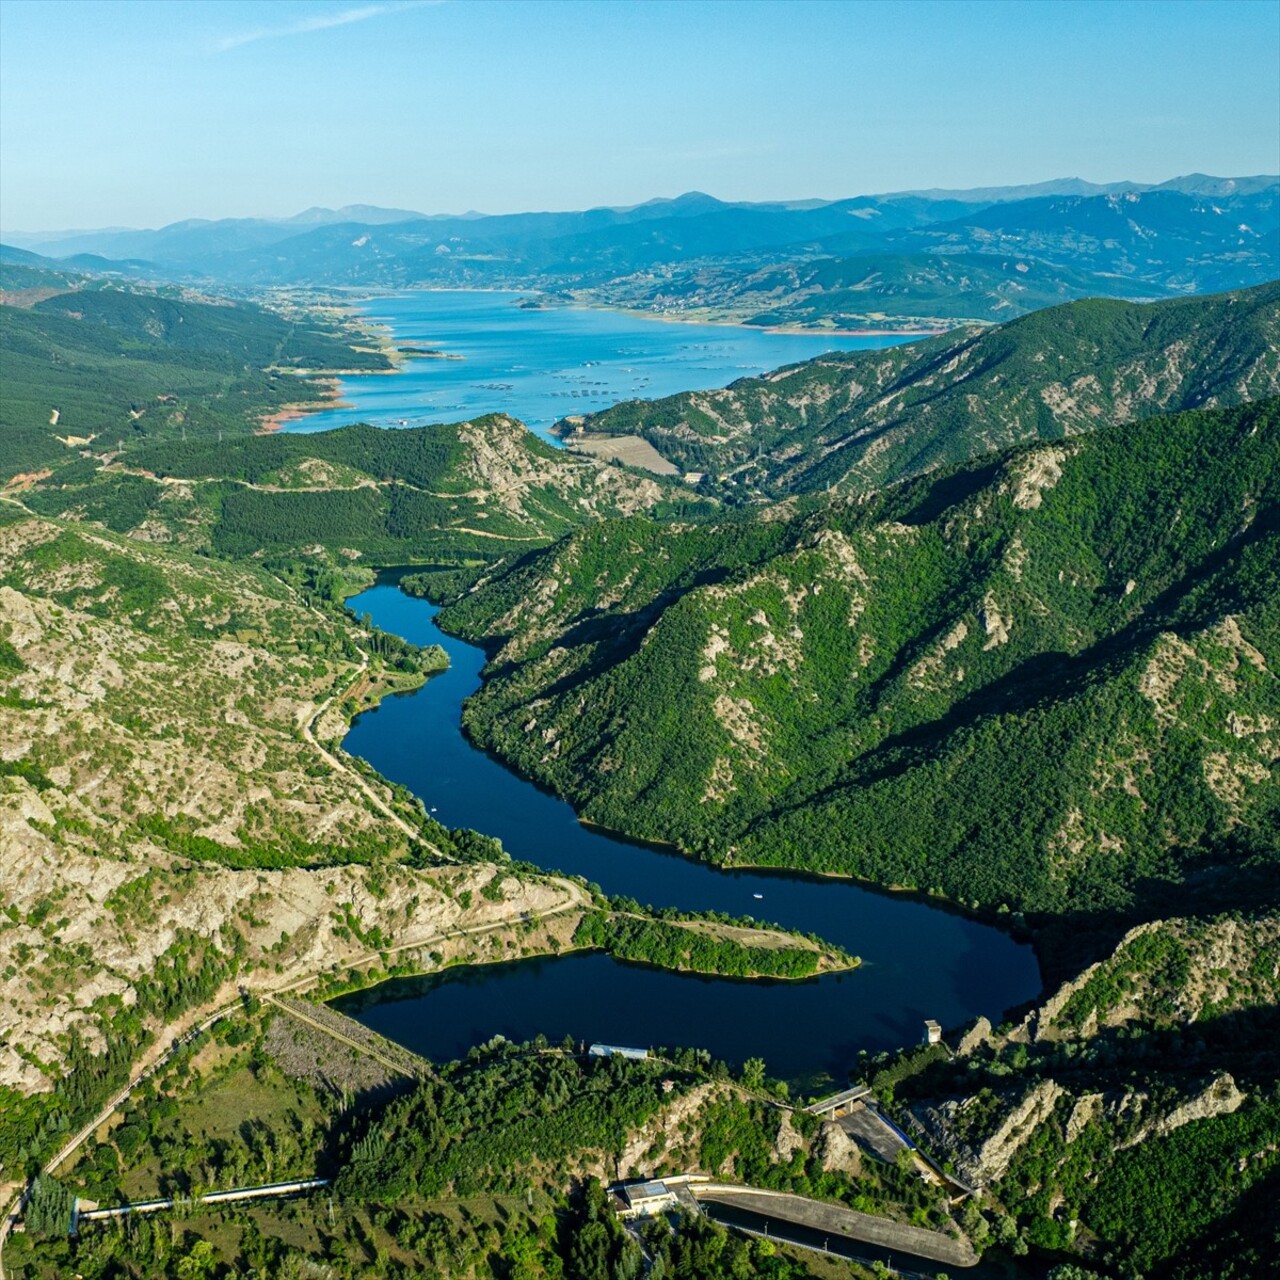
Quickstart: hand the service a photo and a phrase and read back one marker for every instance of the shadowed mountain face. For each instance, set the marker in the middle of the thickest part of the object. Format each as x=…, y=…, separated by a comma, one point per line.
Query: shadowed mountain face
x=852, y=422
x=1047, y=680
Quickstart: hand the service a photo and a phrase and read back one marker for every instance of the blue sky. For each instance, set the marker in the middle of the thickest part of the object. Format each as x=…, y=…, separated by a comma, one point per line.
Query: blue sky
x=139, y=114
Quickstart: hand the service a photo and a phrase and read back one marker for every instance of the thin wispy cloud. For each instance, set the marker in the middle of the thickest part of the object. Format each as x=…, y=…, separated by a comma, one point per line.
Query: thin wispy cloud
x=316, y=22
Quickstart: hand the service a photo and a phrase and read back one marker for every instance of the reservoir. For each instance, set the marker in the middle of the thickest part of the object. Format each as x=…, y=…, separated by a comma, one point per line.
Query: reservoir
x=919, y=960
x=542, y=364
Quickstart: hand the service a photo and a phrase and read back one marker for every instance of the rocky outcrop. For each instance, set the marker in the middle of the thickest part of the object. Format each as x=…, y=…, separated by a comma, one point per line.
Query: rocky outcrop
x=836, y=1151
x=1219, y=1098
x=1087, y=1108
x=640, y=1152
x=974, y=1038
x=996, y=1153
x=788, y=1141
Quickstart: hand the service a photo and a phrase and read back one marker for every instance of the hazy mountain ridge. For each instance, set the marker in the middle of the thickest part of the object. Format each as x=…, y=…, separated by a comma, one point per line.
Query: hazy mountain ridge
x=1182, y=241
x=695, y=252
x=894, y=290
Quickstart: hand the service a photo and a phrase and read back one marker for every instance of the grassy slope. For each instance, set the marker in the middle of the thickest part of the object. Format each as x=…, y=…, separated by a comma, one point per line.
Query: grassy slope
x=857, y=421
x=1041, y=682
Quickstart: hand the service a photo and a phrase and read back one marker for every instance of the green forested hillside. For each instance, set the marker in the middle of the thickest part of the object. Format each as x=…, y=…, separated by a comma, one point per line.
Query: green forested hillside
x=136, y=367
x=852, y=422
x=1047, y=681
x=449, y=495
x=1132, y=1118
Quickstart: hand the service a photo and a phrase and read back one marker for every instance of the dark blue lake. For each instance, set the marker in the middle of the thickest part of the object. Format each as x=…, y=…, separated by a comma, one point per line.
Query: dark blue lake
x=919, y=961
x=540, y=365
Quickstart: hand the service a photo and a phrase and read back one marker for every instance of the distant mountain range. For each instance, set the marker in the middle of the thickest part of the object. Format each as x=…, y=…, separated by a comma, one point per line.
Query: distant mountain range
x=898, y=260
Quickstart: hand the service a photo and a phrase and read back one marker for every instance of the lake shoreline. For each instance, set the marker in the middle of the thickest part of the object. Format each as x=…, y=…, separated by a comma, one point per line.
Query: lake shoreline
x=390, y=575
x=542, y=364
x=331, y=398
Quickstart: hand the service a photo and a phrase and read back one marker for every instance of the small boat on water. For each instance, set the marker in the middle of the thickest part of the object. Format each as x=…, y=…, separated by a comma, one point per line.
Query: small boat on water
x=757, y=895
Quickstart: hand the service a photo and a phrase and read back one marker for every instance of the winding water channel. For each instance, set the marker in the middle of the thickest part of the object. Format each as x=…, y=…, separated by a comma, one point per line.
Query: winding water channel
x=919, y=960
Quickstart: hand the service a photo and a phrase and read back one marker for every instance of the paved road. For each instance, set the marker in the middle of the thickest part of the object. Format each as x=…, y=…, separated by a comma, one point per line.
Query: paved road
x=306, y=724
x=838, y=1221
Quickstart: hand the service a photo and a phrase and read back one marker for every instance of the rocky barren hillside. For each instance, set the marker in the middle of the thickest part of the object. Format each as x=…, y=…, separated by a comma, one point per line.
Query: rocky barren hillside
x=169, y=821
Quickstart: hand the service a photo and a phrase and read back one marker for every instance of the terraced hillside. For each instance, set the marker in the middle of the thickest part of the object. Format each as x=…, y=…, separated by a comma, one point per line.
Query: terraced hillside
x=852, y=422
x=1046, y=681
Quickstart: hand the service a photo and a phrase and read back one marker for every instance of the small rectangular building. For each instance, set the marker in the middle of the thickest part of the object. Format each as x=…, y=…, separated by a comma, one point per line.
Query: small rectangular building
x=617, y=1051
x=645, y=1199
x=932, y=1032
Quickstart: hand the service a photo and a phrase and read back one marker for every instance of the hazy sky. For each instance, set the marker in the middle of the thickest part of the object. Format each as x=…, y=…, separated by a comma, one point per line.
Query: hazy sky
x=139, y=114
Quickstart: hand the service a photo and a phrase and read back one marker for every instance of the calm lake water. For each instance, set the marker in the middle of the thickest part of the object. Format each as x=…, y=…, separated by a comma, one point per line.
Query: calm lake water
x=919, y=961
x=540, y=365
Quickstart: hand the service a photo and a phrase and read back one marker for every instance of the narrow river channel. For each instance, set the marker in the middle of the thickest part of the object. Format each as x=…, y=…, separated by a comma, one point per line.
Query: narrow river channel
x=919, y=961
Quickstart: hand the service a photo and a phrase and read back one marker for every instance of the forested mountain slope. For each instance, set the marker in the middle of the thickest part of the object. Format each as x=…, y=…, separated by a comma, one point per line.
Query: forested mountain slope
x=1132, y=1117
x=466, y=492
x=1047, y=680
x=855, y=421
